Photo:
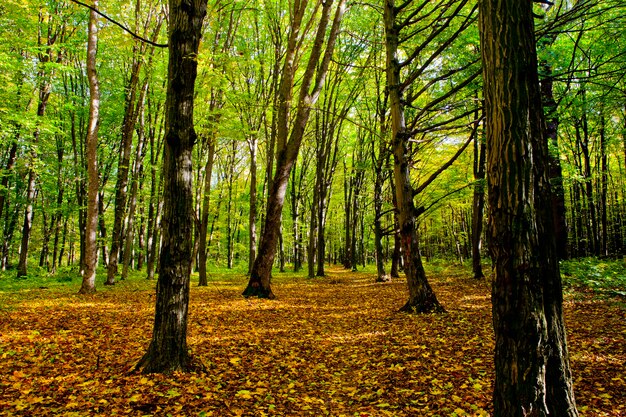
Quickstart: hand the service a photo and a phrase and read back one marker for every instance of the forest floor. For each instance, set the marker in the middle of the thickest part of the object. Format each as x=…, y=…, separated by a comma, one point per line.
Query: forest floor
x=331, y=346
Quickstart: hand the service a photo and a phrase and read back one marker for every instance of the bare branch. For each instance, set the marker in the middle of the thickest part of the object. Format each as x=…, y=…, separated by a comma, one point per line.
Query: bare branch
x=141, y=38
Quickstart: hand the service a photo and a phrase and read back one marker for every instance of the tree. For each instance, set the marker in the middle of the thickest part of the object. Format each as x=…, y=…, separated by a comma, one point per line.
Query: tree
x=532, y=365
x=134, y=101
x=396, y=19
x=48, y=53
x=91, y=247
x=478, y=203
x=289, y=140
x=168, y=349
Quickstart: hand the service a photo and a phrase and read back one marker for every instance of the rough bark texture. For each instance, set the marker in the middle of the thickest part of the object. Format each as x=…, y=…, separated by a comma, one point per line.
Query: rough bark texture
x=168, y=349
x=91, y=147
x=422, y=298
x=532, y=366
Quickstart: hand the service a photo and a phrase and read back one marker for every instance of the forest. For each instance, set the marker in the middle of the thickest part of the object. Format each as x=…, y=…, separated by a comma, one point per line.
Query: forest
x=263, y=186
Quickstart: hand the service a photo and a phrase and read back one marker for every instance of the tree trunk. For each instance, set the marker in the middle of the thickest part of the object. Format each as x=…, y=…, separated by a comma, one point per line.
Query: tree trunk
x=131, y=113
x=347, y=201
x=91, y=147
x=478, y=206
x=312, y=248
x=315, y=72
x=422, y=299
x=132, y=197
x=5, y=175
x=168, y=349
x=252, y=218
x=556, y=174
x=381, y=275
x=604, y=184
x=295, y=217
x=532, y=366
x=204, y=219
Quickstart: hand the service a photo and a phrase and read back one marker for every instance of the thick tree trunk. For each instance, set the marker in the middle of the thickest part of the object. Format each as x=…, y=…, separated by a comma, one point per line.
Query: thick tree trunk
x=532, y=369
x=168, y=349
x=422, y=299
x=91, y=147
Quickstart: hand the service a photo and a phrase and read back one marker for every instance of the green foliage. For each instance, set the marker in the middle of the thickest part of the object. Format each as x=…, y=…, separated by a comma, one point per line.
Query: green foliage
x=599, y=275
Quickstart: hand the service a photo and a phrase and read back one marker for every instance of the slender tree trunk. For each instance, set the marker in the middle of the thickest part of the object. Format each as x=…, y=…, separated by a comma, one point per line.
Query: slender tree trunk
x=10, y=224
x=131, y=113
x=556, y=173
x=295, y=217
x=604, y=188
x=252, y=218
x=478, y=206
x=314, y=75
x=347, y=201
x=168, y=349
x=396, y=256
x=132, y=199
x=91, y=146
x=5, y=176
x=312, y=250
x=204, y=219
x=321, y=228
x=44, y=95
x=229, y=208
x=532, y=366
x=422, y=298
x=381, y=275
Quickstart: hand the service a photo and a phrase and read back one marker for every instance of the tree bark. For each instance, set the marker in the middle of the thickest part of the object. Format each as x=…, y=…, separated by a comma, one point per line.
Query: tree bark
x=91, y=146
x=532, y=366
x=168, y=349
x=422, y=298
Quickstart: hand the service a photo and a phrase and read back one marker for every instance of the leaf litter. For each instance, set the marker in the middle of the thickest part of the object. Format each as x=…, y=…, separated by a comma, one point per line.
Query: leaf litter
x=332, y=346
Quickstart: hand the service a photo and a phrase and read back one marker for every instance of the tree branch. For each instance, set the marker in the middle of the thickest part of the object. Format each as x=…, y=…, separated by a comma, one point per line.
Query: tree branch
x=158, y=45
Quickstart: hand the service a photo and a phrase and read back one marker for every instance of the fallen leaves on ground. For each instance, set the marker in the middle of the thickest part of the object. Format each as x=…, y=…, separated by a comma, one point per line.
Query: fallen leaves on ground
x=332, y=346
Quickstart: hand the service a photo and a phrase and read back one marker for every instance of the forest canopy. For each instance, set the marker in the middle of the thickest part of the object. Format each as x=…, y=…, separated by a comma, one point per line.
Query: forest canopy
x=335, y=194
